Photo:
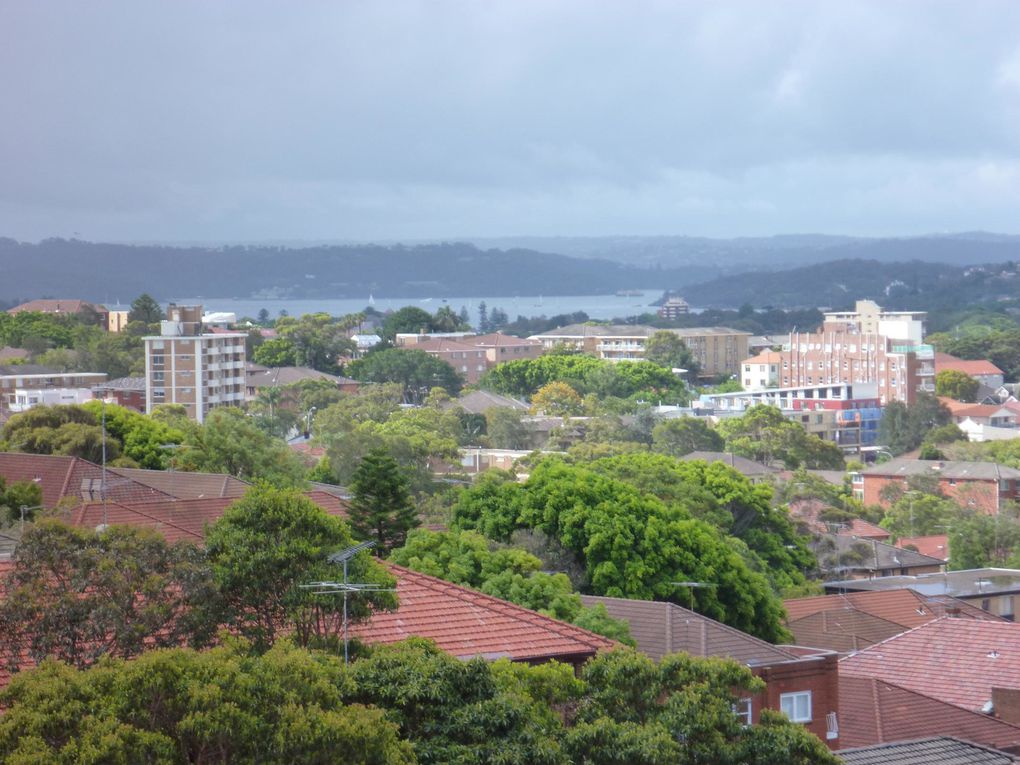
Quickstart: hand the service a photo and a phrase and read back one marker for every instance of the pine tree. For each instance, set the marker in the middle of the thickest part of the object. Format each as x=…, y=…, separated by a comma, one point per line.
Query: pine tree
x=381, y=507
x=483, y=317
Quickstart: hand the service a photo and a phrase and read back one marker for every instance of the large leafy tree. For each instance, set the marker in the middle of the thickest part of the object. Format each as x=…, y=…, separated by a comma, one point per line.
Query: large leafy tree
x=143, y=439
x=683, y=435
x=18, y=495
x=265, y=547
x=557, y=399
x=317, y=340
x=182, y=706
x=144, y=308
x=380, y=505
x=468, y=558
x=79, y=594
x=65, y=430
x=415, y=371
x=667, y=349
x=630, y=544
x=229, y=442
x=903, y=427
x=763, y=434
x=956, y=385
x=409, y=319
x=506, y=429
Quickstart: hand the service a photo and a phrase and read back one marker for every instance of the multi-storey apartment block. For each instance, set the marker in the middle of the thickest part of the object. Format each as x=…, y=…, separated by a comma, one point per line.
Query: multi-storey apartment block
x=199, y=371
x=718, y=350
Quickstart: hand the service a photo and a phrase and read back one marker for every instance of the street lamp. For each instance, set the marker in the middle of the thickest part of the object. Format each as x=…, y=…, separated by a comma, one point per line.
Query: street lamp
x=24, y=509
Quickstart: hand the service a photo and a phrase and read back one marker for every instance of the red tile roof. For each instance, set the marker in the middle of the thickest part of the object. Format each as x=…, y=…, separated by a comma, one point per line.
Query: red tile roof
x=874, y=711
x=72, y=477
x=808, y=510
x=900, y=606
x=936, y=545
x=466, y=623
x=187, y=485
x=52, y=306
x=950, y=659
x=968, y=367
x=178, y=519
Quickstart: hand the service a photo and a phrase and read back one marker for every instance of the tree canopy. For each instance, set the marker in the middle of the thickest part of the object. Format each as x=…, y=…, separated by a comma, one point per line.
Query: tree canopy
x=415, y=371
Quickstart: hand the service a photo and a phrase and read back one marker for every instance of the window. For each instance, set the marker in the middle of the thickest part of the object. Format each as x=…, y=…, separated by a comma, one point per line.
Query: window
x=158, y=393
x=796, y=706
x=743, y=710
x=157, y=376
x=157, y=359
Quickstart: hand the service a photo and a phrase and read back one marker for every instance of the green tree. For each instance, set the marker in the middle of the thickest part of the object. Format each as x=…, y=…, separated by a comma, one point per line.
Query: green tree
x=915, y=514
x=317, y=340
x=380, y=505
x=65, y=430
x=416, y=371
x=955, y=384
x=269, y=543
x=79, y=594
x=409, y=319
x=467, y=558
x=183, y=706
x=19, y=494
x=506, y=428
x=683, y=435
x=143, y=438
x=447, y=320
x=229, y=442
x=903, y=428
x=977, y=540
x=144, y=308
x=668, y=350
x=557, y=399
x=276, y=352
x=763, y=434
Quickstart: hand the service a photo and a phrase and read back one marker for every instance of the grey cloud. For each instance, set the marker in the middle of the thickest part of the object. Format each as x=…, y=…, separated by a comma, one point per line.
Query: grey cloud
x=436, y=119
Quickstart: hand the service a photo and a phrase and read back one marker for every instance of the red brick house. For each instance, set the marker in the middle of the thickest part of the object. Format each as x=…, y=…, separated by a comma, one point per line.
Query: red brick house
x=128, y=392
x=983, y=486
x=802, y=682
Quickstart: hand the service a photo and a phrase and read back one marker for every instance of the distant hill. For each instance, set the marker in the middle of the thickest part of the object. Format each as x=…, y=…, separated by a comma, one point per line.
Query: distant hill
x=913, y=285
x=103, y=272
x=773, y=252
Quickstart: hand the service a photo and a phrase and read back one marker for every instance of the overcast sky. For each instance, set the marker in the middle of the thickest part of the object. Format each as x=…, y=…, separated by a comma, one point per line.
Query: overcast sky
x=385, y=119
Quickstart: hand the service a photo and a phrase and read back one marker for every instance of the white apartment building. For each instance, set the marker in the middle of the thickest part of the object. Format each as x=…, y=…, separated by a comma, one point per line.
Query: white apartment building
x=199, y=371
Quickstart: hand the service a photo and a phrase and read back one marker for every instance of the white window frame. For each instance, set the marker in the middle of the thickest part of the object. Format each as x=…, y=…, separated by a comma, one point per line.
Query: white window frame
x=744, y=710
x=796, y=706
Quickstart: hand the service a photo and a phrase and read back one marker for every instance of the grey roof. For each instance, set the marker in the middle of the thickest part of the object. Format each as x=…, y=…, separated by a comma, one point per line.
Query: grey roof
x=573, y=331
x=742, y=465
x=972, y=582
x=939, y=749
x=880, y=555
x=30, y=369
x=661, y=628
x=948, y=468
x=122, y=383
x=258, y=376
x=480, y=401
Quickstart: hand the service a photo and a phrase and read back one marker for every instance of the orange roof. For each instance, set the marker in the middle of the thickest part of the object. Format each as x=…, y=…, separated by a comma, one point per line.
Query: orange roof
x=466, y=623
x=53, y=306
x=808, y=510
x=904, y=607
x=178, y=519
x=73, y=477
x=765, y=357
x=963, y=409
x=953, y=660
x=944, y=361
x=874, y=711
x=936, y=545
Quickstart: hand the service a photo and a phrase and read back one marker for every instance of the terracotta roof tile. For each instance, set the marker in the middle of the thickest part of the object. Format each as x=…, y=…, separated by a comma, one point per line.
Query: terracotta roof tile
x=466, y=623
x=951, y=659
x=874, y=711
x=187, y=485
x=71, y=477
x=900, y=606
x=967, y=366
x=935, y=546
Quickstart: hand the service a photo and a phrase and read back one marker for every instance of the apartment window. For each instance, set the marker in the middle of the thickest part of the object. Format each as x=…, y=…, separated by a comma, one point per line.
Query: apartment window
x=158, y=393
x=742, y=709
x=157, y=359
x=796, y=706
x=1006, y=607
x=157, y=376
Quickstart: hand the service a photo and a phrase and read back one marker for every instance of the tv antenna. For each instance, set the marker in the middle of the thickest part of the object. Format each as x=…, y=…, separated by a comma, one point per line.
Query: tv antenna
x=345, y=587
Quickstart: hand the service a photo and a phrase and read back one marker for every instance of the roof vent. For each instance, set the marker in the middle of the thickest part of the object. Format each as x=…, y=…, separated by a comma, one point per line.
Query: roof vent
x=993, y=654
x=988, y=707
x=921, y=611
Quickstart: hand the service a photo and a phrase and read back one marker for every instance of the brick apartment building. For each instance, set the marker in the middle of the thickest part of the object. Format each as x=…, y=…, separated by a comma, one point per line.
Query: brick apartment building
x=718, y=350
x=199, y=371
x=867, y=345
x=981, y=486
x=471, y=355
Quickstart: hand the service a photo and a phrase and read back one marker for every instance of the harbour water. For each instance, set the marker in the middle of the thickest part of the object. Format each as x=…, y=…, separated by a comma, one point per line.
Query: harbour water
x=596, y=306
